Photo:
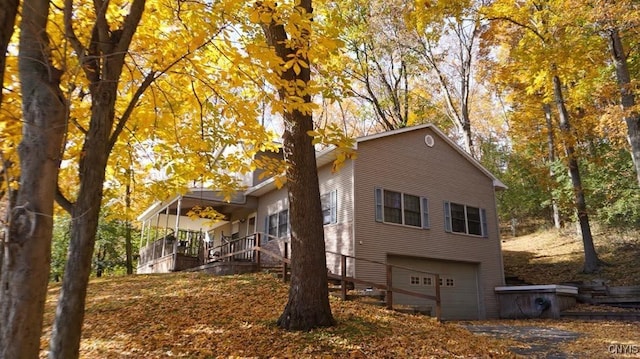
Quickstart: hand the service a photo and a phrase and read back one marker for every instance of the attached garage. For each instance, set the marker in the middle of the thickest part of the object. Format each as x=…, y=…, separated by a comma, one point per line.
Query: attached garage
x=458, y=285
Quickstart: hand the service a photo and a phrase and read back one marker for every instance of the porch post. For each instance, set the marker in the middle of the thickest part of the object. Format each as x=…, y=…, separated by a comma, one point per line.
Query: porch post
x=438, y=298
x=175, y=233
x=166, y=229
x=389, y=295
x=343, y=275
x=178, y=214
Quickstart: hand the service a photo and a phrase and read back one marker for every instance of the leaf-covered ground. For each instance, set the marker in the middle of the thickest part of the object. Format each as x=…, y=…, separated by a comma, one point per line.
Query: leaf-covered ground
x=193, y=315
x=550, y=257
x=202, y=316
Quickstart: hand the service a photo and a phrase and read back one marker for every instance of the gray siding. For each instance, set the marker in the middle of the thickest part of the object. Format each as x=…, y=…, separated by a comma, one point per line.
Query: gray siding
x=338, y=236
x=404, y=163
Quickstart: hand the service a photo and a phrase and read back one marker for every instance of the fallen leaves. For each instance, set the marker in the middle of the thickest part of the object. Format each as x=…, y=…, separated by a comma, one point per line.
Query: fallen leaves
x=196, y=315
x=192, y=315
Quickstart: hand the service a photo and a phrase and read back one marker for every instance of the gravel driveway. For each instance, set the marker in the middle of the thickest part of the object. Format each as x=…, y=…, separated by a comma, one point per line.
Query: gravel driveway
x=539, y=342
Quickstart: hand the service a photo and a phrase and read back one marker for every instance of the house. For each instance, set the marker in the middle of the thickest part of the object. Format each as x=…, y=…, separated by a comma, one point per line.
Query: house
x=412, y=198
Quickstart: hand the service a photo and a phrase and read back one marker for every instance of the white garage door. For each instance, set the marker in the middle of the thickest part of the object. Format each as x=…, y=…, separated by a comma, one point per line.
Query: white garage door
x=458, y=289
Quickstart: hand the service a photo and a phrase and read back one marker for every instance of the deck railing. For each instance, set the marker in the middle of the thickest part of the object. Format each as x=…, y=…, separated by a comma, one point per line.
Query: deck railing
x=185, y=242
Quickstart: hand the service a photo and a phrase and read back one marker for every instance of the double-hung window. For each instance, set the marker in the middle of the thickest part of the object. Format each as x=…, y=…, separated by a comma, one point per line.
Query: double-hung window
x=329, y=207
x=401, y=208
x=460, y=218
x=277, y=224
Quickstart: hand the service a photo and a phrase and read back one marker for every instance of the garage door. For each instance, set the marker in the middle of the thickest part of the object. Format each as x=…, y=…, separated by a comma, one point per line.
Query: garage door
x=458, y=288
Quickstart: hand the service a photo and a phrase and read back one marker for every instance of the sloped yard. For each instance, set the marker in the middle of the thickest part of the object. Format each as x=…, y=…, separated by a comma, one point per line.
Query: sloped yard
x=551, y=257
x=201, y=316
x=192, y=315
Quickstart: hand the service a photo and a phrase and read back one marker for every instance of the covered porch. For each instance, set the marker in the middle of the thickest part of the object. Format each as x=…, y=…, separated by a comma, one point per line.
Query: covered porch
x=173, y=241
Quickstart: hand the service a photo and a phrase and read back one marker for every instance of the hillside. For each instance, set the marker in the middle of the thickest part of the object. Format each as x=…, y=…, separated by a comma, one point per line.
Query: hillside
x=201, y=316
x=549, y=257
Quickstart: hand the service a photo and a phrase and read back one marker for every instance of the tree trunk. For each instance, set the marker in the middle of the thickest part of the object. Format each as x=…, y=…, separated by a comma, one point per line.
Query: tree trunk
x=552, y=158
x=25, y=272
x=8, y=11
x=308, y=304
x=128, y=248
x=627, y=98
x=591, y=261
x=103, y=63
x=67, y=328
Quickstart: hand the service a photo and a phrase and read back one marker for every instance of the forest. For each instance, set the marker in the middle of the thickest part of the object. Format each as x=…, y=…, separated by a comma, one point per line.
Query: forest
x=109, y=106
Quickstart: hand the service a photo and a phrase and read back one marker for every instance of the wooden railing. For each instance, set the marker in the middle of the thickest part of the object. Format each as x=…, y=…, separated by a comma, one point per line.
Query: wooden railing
x=251, y=249
x=388, y=285
x=185, y=242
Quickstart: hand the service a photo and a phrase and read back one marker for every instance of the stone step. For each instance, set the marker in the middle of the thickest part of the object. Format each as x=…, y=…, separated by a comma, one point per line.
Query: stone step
x=618, y=316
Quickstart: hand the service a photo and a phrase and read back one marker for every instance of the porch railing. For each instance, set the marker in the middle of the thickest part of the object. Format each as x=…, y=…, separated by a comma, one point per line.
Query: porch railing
x=184, y=242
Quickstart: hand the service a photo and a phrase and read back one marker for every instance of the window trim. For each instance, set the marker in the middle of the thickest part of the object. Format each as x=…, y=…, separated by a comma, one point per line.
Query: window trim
x=448, y=217
x=423, y=212
x=277, y=216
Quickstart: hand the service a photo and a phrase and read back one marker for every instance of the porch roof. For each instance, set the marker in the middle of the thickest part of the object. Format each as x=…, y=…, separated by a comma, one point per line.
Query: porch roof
x=203, y=198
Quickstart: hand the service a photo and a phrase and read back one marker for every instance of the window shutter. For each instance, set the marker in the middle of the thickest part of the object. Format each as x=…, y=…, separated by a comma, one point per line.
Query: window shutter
x=334, y=206
x=425, y=212
x=265, y=238
x=379, y=204
x=447, y=216
x=483, y=220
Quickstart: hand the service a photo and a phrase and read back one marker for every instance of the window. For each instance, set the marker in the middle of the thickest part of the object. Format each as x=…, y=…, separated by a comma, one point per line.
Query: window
x=401, y=208
x=460, y=218
x=428, y=281
x=329, y=207
x=447, y=282
x=277, y=224
x=283, y=223
x=414, y=280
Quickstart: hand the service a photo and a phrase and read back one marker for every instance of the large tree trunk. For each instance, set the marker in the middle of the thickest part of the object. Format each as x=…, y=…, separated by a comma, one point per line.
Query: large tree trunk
x=627, y=98
x=28, y=249
x=591, y=261
x=552, y=158
x=308, y=305
x=103, y=63
x=67, y=328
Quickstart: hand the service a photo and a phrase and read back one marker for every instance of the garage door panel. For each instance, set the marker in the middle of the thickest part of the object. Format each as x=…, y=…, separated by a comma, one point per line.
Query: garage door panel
x=459, y=287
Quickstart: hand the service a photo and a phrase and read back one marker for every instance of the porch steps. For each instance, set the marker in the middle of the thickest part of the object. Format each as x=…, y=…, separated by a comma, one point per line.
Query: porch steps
x=602, y=294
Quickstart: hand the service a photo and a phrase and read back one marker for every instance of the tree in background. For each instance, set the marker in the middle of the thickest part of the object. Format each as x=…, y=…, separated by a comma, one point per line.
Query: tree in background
x=544, y=48
x=444, y=36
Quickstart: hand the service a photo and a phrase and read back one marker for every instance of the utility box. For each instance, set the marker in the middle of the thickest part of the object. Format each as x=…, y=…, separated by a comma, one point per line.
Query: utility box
x=535, y=301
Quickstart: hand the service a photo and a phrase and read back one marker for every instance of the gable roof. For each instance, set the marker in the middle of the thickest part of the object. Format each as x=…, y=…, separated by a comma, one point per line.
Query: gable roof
x=496, y=182
x=328, y=155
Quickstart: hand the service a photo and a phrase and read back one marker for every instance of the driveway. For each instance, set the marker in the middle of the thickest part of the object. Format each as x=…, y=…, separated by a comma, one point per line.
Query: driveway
x=538, y=342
